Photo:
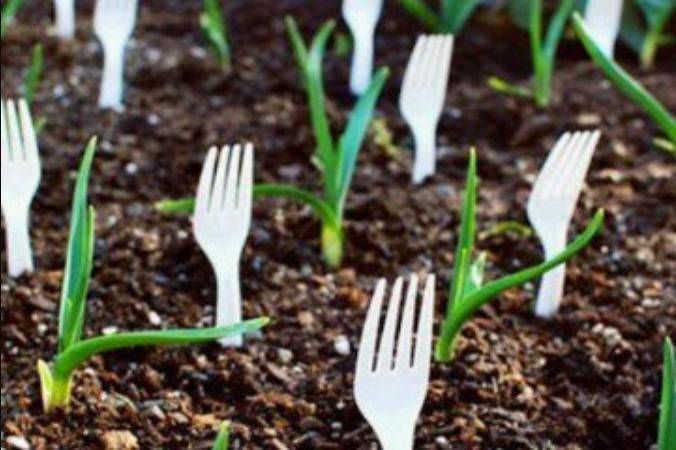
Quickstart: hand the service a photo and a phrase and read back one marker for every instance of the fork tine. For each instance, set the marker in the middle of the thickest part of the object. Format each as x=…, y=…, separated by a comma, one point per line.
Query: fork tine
x=548, y=171
x=218, y=190
x=14, y=133
x=386, y=349
x=245, y=191
x=4, y=150
x=367, y=346
x=445, y=63
x=423, y=352
x=28, y=133
x=412, y=68
x=206, y=181
x=427, y=63
x=566, y=165
x=569, y=172
x=434, y=62
x=405, y=340
x=233, y=179
x=584, y=161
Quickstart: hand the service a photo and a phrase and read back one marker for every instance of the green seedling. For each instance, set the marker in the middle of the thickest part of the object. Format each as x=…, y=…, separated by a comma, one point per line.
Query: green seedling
x=451, y=18
x=644, y=27
x=9, y=10
x=222, y=441
x=73, y=350
x=34, y=74
x=336, y=160
x=215, y=30
x=629, y=86
x=468, y=292
x=667, y=427
x=543, y=53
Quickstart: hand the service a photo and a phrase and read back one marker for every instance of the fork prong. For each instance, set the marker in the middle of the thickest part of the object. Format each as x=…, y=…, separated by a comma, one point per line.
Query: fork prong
x=205, y=184
x=4, y=150
x=14, y=132
x=369, y=336
x=233, y=179
x=583, y=162
x=386, y=348
x=565, y=164
x=568, y=175
x=405, y=340
x=548, y=172
x=423, y=352
x=434, y=63
x=28, y=133
x=427, y=64
x=218, y=190
x=444, y=64
x=411, y=74
x=245, y=191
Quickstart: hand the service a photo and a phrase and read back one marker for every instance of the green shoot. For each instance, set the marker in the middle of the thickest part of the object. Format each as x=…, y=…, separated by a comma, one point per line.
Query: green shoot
x=34, y=74
x=543, y=53
x=667, y=428
x=451, y=18
x=337, y=160
x=222, y=441
x=644, y=25
x=9, y=10
x=73, y=351
x=468, y=293
x=214, y=29
x=627, y=84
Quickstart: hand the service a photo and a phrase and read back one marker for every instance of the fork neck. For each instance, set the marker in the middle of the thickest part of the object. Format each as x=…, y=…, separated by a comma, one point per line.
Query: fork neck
x=398, y=438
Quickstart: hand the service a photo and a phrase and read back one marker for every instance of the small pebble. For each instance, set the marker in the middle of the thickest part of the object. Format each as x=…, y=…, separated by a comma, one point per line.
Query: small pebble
x=342, y=345
x=19, y=442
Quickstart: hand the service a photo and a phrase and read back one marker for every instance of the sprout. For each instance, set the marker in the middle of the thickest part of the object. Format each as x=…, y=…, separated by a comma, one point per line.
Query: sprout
x=468, y=293
x=34, y=74
x=667, y=429
x=452, y=16
x=543, y=53
x=73, y=351
x=9, y=10
x=222, y=441
x=643, y=27
x=628, y=85
x=336, y=160
x=214, y=29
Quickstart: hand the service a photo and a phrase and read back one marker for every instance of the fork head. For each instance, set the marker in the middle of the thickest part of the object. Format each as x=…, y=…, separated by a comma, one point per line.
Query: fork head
x=20, y=161
x=423, y=91
x=558, y=186
x=114, y=21
x=223, y=204
x=394, y=363
x=362, y=15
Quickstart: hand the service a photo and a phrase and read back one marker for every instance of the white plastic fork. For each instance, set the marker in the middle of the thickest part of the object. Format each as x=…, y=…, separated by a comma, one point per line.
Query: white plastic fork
x=221, y=224
x=114, y=23
x=20, y=175
x=64, y=10
x=552, y=204
x=390, y=389
x=362, y=18
x=423, y=94
x=603, y=19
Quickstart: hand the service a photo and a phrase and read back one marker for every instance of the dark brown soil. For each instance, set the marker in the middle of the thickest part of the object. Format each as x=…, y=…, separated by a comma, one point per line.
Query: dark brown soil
x=589, y=379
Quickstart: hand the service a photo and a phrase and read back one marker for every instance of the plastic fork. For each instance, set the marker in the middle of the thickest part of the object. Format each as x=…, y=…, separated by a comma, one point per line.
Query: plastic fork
x=20, y=180
x=423, y=94
x=64, y=11
x=603, y=19
x=362, y=18
x=390, y=388
x=114, y=23
x=221, y=224
x=552, y=204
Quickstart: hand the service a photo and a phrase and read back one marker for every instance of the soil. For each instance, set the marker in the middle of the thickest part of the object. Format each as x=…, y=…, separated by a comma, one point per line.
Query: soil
x=588, y=379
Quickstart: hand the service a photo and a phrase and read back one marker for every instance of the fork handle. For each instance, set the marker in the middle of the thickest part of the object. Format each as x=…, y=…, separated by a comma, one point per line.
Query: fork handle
x=551, y=287
x=425, y=158
x=229, y=304
x=19, y=252
x=112, y=80
x=65, y=18
x=398, y=439
x=362, y=60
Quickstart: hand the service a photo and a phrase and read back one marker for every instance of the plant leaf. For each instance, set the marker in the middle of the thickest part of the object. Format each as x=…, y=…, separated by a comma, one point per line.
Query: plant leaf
x=353, y=137
x=421, y=11
x=626, y=83
x=75, y=355
x=9, y=10
x=667, y=428
x=46, y=382
x=223, y=439
x=475, y=275
x=34, y=73
x=214, y=29
x=79, y=257
x=455, y=13
x=556, y=28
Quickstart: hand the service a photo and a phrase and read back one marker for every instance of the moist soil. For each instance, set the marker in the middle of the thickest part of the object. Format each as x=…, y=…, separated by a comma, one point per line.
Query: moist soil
x=587, y=379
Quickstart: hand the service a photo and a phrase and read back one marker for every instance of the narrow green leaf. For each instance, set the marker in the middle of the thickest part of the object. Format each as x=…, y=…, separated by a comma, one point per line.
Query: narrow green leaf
x=556, y=27
x=46, y=382
x=626, y=83
x=352, y=139
x=455, y=13
x=78, y=353
x=667, y=427
x=475, y=275
x=519, y=11
x=421, y=11
x=214, y=28
x=223, y=439
x=9, y=10
x=34, y=73
x=510, y=89
x=78, y=258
